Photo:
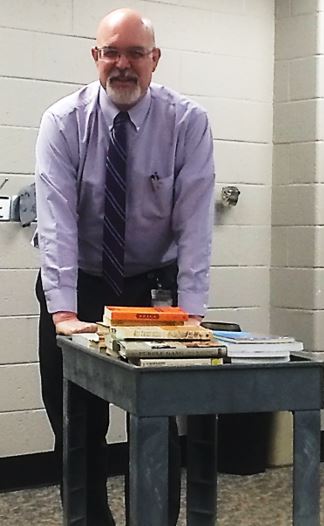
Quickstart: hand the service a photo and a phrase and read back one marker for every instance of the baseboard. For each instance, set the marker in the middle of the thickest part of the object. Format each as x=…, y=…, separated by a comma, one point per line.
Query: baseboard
x=27, y=471
x=39, y=469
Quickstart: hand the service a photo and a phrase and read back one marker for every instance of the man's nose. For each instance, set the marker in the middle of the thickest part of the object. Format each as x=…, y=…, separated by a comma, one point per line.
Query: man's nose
x=122, y=61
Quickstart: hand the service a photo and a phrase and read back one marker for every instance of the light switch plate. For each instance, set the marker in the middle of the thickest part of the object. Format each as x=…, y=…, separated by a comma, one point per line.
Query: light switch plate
x=5, y=207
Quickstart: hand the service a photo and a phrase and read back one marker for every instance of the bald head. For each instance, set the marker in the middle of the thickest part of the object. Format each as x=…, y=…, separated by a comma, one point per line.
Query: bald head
x=125, y=20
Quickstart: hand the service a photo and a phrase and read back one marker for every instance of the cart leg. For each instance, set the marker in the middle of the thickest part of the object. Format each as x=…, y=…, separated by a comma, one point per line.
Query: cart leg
x=74, y=455
x=148, y=473
x=306, y=478
x=202, y=470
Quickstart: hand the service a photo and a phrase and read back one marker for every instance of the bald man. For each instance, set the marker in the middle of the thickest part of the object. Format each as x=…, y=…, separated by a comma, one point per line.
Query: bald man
x=169, y=188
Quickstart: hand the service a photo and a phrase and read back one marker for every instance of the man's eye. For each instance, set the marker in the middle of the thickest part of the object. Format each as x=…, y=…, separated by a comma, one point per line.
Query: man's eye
x=110, y=53
x=135, y=54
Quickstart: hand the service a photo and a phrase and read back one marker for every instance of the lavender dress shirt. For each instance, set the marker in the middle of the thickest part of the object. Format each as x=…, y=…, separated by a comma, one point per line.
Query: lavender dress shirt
x=170, y=179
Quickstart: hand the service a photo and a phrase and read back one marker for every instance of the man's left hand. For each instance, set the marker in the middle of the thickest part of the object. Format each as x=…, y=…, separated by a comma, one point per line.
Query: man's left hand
x=194, y=320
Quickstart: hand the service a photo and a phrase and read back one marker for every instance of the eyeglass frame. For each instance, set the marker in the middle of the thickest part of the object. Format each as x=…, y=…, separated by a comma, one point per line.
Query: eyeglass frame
x=143, y=52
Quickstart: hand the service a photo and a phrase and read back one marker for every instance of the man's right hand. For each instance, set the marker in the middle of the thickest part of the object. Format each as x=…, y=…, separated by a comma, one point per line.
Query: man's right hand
x=67, y=323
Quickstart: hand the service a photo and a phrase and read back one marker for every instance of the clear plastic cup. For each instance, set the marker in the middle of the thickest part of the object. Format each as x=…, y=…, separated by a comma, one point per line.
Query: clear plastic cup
x=161, y=297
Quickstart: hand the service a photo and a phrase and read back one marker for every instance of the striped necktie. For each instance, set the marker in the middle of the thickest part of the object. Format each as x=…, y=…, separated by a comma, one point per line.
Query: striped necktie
x=115, y=205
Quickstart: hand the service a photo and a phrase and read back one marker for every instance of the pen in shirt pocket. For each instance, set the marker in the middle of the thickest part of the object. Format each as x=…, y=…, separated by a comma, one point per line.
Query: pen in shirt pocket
x=155, y=180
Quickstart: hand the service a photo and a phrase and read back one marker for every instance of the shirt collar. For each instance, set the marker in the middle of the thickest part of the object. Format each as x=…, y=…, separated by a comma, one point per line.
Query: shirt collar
x=137, y=113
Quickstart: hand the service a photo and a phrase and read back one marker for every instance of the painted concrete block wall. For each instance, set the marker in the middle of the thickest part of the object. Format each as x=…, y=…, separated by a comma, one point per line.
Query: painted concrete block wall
x=241, y=112
x=218, y=52
x=296, y=273
x=297, y=210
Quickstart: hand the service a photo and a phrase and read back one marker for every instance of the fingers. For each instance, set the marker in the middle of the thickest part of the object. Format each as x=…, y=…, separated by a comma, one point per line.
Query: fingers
x=75, y=326
x=194, y=320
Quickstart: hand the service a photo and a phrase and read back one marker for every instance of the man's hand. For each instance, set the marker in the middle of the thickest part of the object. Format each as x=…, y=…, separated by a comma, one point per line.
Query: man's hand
x=67, y=323
x=194, y=320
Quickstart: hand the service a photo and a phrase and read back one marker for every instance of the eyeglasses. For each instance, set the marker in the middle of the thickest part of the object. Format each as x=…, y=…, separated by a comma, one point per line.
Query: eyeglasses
x=133, y=54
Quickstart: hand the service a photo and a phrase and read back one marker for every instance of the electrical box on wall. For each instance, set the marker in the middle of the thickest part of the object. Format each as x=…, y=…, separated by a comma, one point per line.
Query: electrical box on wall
x=5, y=206
x=20, y=208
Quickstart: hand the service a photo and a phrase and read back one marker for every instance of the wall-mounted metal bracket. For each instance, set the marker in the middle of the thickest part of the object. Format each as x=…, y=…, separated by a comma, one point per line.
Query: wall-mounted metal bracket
x=230, y=195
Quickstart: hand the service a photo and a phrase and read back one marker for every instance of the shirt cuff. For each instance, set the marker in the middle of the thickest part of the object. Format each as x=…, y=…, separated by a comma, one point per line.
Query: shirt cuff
x=193, y=303
x=62, y=299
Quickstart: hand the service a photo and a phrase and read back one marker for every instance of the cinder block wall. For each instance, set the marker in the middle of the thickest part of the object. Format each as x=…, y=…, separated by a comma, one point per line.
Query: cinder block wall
x=297, y=296
x=219, y=52
x=239, y=96
x=297, y=216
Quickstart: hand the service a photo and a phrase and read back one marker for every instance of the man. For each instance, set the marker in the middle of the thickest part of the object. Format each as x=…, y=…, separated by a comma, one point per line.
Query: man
x=163, y=238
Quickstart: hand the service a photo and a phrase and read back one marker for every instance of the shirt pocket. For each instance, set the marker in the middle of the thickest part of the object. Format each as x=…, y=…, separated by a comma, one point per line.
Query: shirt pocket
x=152, y=195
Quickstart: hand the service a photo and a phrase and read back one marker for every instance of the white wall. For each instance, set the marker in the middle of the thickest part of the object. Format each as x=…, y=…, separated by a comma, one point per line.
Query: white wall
x=297, y=298
x=219, y=52
x=240, y=106
x=297, y=234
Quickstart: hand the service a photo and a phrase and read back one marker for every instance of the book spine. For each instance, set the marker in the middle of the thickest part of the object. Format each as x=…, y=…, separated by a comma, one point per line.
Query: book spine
x=177, y=362
x=135, y=323
x=143, y=315
x=265, y=349
x=86, y=342
x=247, y=361
x=185, y=332
x=171, y=353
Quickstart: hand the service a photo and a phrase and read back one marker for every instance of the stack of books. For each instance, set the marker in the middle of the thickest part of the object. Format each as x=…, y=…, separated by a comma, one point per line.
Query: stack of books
x=157, y=337
x=248, y=347
x=161, y=336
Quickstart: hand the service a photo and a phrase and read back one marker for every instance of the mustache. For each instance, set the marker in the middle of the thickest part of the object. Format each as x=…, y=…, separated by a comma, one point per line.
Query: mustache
x=125, y=74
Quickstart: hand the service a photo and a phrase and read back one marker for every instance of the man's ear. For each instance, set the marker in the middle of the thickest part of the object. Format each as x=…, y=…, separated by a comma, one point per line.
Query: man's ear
x=94, y=53
x=156, y=54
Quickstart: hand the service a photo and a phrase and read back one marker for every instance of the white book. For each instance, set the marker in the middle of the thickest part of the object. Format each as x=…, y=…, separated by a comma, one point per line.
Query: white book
x=92, y=340
x=252, y=338
x=261, y=359
x=262, y=349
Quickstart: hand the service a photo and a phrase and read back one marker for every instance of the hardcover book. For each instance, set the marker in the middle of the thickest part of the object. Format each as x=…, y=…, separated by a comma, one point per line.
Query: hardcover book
x=164, y=349
x=91, y=340
x=131, y=323
x=251, y=337
x=270, y=350
x=161, y=332
x=240, y=344
x=260, y=360
x=176, y=362
x=145, y=314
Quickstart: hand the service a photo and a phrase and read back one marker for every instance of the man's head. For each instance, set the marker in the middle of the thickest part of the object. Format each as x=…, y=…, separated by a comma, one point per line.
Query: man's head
x=125, y=56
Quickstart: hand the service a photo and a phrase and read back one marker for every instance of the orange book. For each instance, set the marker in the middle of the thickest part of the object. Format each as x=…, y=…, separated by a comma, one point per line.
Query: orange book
x=134, y=323
x=143, y=314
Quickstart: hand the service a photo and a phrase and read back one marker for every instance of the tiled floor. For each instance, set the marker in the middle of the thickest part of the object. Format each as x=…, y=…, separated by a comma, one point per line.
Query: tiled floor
x=256, y=500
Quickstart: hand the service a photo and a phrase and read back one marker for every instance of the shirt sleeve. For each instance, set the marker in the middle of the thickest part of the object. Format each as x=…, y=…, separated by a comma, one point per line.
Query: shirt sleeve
x=56, y=198
x=193, y=212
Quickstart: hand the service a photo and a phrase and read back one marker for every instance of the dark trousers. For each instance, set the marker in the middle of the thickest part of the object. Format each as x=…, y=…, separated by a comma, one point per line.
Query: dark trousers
x=243, y=443
x=93, y=295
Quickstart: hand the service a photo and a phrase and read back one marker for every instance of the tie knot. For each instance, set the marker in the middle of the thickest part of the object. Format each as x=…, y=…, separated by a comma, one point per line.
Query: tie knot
x=121, y=118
